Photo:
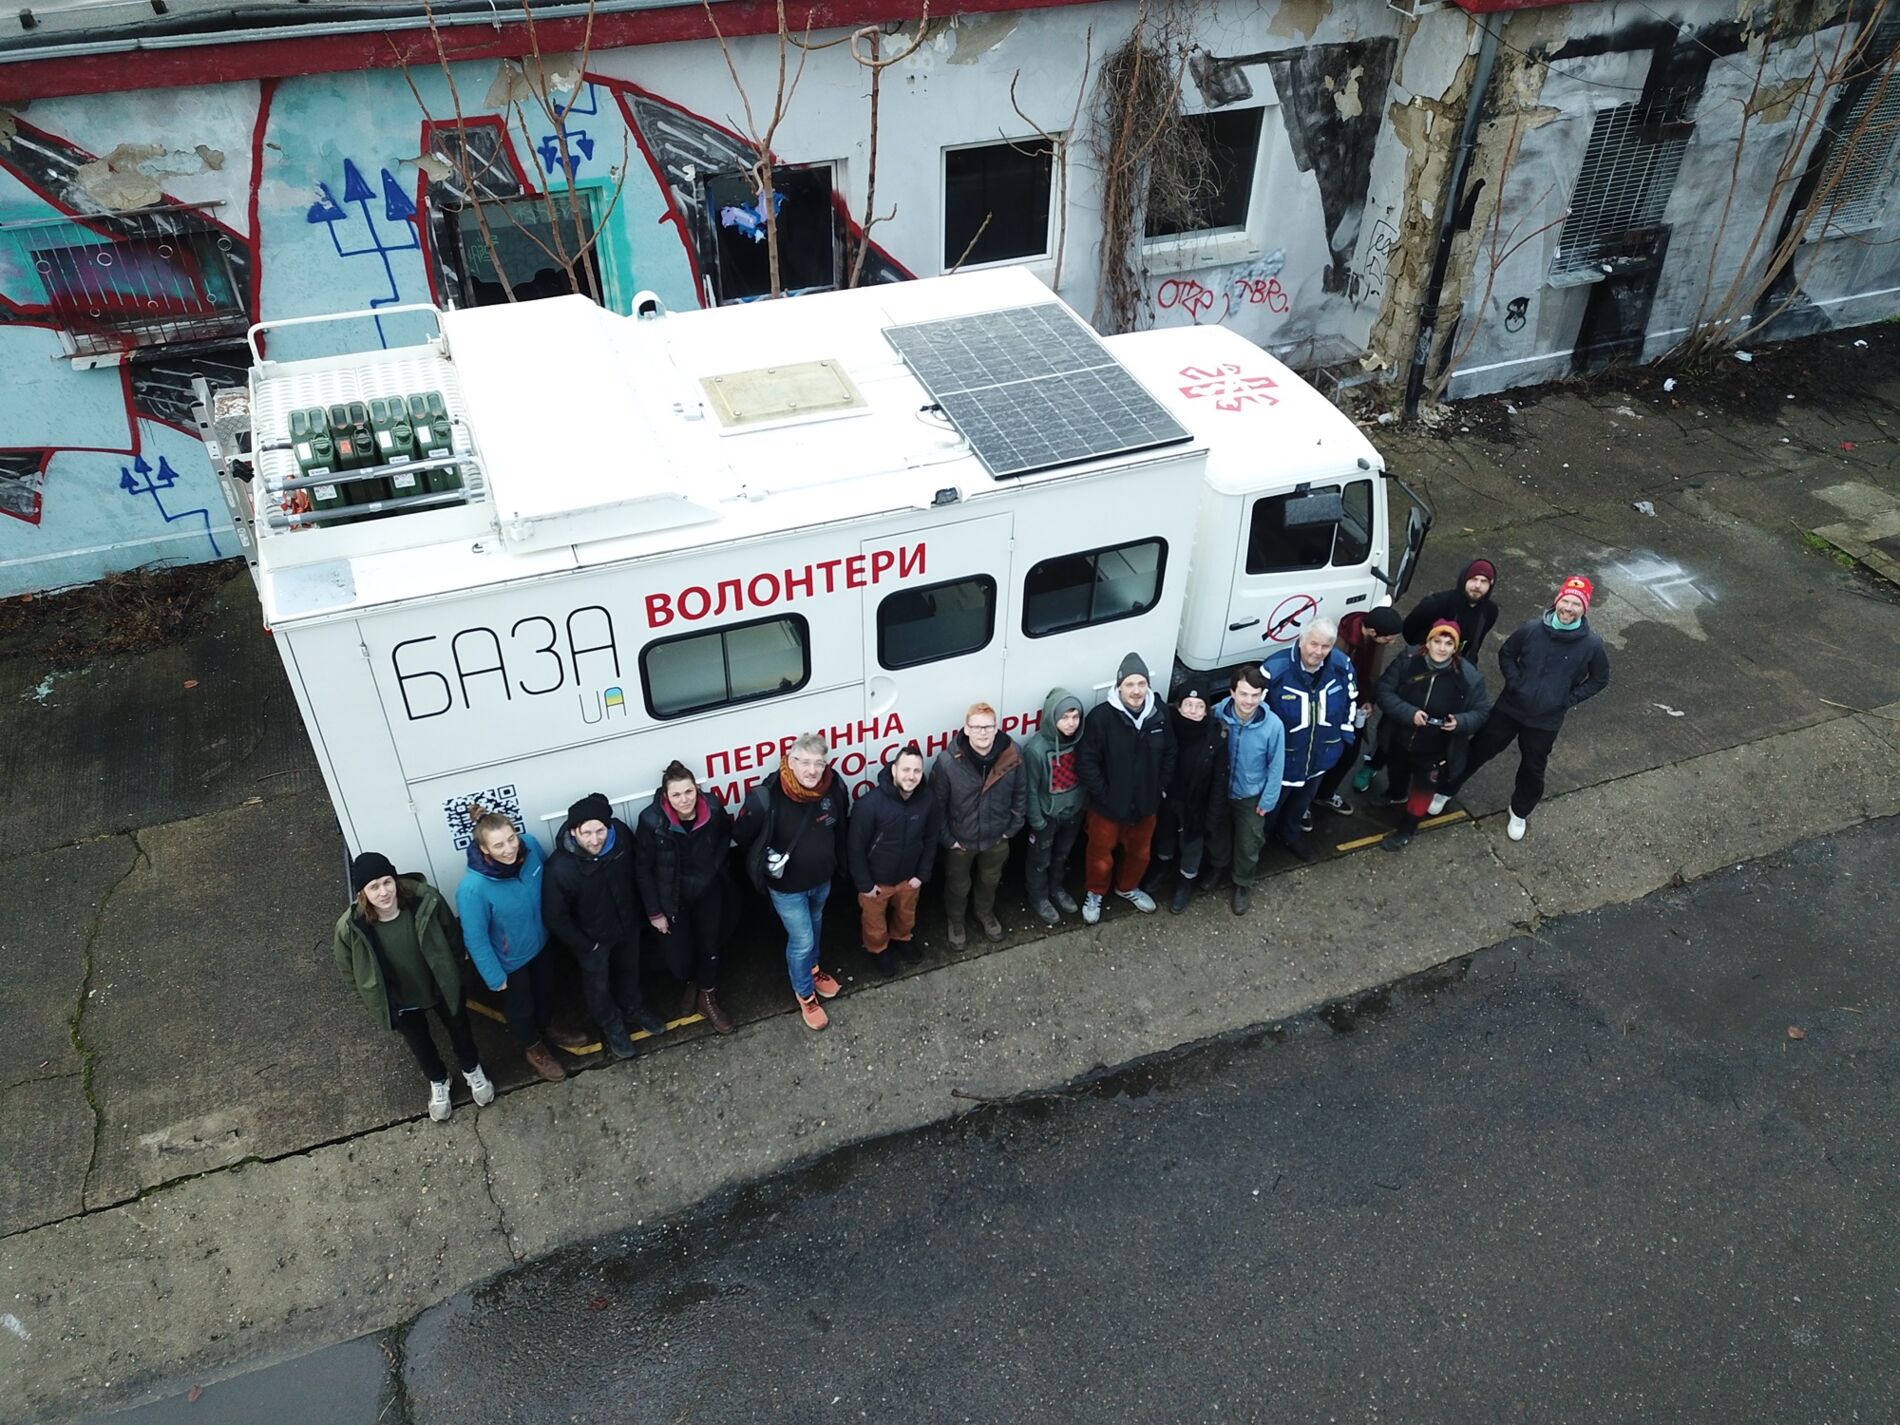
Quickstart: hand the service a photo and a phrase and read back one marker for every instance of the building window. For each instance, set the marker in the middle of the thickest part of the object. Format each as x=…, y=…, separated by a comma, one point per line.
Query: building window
x=122, y=281
x=935, y=622
x=1629, y=170
x=741, y=663
x=1222, y=197
x=1099, y=586
x=1857, y=178
x=736, y=260
x=996, y=202
x=1275, y=546
x=530, y=237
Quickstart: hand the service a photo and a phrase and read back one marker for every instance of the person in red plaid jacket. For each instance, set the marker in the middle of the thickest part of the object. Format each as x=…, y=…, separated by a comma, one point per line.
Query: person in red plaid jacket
x=1055, y=804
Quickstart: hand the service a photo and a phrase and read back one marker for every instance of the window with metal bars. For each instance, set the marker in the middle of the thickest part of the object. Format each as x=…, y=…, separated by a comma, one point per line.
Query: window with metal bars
x=1857, y=178
x=118, y=282
x=1623, y=188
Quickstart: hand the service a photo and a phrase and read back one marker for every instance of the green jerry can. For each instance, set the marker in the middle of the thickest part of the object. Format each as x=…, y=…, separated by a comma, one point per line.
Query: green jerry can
x=430, y=418
x=395, y=442
x=316, y=455
x=355, y=448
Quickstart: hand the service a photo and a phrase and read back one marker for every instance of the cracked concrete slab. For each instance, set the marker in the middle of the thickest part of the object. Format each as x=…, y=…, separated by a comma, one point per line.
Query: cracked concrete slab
x=46, y=1144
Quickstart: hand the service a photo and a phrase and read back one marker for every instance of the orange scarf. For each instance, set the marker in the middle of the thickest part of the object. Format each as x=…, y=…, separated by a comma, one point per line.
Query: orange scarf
x=789, y=784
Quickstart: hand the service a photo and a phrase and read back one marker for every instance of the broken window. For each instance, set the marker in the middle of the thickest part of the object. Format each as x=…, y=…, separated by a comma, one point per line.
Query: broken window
x=1223, y=196
x=1629, y=170
x=118, y=282
x=996, y=202
x=736, y=261
x=536, y=242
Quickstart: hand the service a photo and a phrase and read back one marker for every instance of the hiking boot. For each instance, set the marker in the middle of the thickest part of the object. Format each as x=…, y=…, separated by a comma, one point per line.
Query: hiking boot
x=569, y=1040
x=1398, y=840
x=479, y=1086
x=1337, y=804
x=1439, y=803
x=713, y=1012
x=814, y=1012
x=1243, y=897
x=439, y=1108
x=908, y=952
x=824, y=983
x=1183, y=893
x=1139, y=899
x=1362, y=779
x=992, y=927
x=620, y=1043
x=1091, y=908
x=883, y=962
x=1064, y=901
x=647, y=1020
x=1047, y=913
x=1517, y=828
x=954, y=928
x=544, y=1063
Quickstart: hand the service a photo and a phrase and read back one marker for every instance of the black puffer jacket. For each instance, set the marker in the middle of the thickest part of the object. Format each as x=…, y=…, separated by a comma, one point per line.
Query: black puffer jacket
x=587, y=901
x=1199, y=749
x=893, y=837
x=1548, y=671
x=1124, y=768
x=676, y=865
x=1412, y=685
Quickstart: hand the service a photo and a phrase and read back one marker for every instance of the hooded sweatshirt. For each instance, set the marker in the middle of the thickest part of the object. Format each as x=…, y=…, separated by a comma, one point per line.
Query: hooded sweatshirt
x=500, y=910
x=1055, y=786
x=1451, y=604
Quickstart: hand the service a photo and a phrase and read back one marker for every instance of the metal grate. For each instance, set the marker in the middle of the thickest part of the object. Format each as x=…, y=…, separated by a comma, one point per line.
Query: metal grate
x=118, y=282
x=1859, y=172
x=1629, y=170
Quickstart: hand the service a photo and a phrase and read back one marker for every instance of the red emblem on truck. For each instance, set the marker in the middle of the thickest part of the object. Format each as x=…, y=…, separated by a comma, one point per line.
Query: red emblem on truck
x=1227, y=387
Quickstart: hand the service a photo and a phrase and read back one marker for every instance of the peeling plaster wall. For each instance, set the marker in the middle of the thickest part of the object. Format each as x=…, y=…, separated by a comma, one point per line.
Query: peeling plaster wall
x=323, y=182
x=1724, y=213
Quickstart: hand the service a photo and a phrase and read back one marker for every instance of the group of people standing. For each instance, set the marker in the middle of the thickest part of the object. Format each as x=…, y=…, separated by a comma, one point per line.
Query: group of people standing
x=1161, y=796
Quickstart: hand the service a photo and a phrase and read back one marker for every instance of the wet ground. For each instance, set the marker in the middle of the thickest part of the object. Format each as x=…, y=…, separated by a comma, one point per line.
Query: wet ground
x=1640, y=1166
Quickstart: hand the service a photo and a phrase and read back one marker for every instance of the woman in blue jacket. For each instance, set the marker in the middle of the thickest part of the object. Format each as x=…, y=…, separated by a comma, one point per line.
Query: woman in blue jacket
x=499, y=902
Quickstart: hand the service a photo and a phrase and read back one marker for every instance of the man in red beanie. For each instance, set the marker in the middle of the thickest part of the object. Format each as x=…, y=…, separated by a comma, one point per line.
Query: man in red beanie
x=1551, y=663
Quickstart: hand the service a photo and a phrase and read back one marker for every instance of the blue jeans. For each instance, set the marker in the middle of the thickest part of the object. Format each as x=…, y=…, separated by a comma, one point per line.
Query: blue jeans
x=803, y=914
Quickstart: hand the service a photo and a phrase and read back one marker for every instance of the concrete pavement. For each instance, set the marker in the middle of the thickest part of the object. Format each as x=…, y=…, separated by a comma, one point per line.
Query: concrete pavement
x=220, y=1162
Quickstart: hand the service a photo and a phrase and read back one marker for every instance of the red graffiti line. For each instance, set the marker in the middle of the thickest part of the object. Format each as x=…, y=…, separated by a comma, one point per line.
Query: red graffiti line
x=1227, y=387
x=1190, y=295
x=1263, y=292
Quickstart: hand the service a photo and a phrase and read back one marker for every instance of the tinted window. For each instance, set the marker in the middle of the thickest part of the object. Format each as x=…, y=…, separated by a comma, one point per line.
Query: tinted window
x=1232, y=139
x=1272, y=547
x=526, y=239
x=941, y=621
x=996, y=202
x=807, y=233
x=1075, y=590
x=736, y=664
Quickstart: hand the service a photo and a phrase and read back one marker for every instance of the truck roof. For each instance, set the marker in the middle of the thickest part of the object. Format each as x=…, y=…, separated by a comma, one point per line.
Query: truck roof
x=599, y=438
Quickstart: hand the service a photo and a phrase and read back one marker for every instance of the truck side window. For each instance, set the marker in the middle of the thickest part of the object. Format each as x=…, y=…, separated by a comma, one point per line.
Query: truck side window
x=1098, y=586
x=937, y=621
x=740, y=663
x=1273, y=548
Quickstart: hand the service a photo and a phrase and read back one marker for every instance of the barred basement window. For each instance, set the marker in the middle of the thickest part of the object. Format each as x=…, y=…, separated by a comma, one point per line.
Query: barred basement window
x=1623, y=188
x=1858, y=177
x=117, y=282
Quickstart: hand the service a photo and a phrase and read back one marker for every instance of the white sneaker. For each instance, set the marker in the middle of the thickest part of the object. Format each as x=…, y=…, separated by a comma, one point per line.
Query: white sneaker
x=1139, y=899
x=1439, y=803
x=479, y=1085
x=1517, y=828
x=1091, y=908
x=439, y=1108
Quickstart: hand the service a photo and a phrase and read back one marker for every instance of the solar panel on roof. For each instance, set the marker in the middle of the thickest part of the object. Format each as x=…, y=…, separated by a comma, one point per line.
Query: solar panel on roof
x=1031, y=388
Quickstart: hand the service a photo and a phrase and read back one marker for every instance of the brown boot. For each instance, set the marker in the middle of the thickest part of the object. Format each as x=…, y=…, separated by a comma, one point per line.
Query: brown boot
x=545, y=1064
x=572, y=1040
x=714, y=1012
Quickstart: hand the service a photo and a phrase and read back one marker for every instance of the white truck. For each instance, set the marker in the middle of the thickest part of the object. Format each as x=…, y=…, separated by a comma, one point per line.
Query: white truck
x=632, y=539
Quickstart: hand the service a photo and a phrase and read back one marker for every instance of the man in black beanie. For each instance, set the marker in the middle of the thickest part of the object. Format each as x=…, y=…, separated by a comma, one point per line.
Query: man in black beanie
x=590, y=904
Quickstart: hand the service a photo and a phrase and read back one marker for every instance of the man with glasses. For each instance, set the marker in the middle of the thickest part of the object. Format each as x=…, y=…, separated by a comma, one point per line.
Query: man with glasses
x=979, y=779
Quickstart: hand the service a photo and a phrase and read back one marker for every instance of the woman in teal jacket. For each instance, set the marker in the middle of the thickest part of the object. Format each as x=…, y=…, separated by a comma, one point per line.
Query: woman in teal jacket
x=499, y=902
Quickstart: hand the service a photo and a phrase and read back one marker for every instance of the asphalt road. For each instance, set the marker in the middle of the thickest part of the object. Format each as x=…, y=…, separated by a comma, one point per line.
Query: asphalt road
x=1642, y=1166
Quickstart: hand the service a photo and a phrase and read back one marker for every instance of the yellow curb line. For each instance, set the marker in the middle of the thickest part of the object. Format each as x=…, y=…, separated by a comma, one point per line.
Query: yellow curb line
x=1425, y=825
x=593, y=1048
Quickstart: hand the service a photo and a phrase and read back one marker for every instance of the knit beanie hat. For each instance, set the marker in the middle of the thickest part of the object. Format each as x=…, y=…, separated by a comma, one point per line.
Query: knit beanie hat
x=1131, y=666
x=1385, y=621
x=1578, y=585
x=592, y=807
x=1481, y=566
x=1450, y=626
x=370, y=866
x=1195, y=687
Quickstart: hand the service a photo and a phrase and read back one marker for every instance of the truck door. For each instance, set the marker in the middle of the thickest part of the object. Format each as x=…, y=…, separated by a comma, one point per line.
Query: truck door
x=935, y=643
x=1304, y=554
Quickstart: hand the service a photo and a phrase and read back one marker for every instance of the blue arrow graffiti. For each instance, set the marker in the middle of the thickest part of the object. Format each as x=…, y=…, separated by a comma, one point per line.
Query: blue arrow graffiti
x=397, y=208
x=141, y=479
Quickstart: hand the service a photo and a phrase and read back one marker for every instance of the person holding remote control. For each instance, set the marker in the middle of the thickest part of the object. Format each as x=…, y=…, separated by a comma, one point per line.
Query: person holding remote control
x=1434, y=700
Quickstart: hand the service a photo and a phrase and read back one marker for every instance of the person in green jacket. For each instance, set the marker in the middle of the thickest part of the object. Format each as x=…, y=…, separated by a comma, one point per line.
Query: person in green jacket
x=396, y=947
x=1055, y=804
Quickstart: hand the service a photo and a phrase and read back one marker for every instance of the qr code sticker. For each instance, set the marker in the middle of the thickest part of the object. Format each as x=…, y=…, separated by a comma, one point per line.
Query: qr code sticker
x=504, y=800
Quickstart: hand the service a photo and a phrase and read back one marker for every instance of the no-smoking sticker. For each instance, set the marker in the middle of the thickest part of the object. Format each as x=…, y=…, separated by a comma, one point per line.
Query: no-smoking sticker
x=1289, y=616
